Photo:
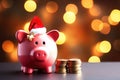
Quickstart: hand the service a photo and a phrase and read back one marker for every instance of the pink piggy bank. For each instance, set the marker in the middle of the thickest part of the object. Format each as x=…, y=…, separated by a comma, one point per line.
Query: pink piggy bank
x=37, y=49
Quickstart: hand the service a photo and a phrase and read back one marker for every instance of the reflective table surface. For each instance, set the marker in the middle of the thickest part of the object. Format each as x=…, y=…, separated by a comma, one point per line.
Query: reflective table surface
x=89, y=71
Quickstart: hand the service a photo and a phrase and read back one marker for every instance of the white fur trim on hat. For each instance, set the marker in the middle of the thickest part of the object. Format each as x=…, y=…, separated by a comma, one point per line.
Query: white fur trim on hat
x=38, y=30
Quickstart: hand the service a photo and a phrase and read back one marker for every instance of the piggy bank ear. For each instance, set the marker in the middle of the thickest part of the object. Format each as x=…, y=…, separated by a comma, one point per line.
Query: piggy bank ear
x=20, y=35
x=54, y=34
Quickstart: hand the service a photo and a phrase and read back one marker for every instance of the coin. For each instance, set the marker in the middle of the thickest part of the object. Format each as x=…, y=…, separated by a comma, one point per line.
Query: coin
x=61, y=62
x=74, y=61
x=74, y=66
x=61, y=66
x=60, y=70
x=68, y=66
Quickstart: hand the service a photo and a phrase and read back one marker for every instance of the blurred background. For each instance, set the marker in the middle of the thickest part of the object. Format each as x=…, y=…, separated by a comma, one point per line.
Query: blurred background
x=89, y=29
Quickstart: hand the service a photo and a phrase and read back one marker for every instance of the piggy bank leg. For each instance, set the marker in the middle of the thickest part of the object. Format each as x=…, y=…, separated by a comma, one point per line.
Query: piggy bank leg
x=48, y=69
x=26, y=70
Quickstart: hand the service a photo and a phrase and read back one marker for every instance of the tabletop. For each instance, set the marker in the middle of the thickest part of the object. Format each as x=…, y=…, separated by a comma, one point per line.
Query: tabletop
x=89, y=71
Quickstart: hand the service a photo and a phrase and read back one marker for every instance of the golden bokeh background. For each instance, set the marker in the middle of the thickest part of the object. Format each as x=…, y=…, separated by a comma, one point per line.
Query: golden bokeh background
x=89, y=29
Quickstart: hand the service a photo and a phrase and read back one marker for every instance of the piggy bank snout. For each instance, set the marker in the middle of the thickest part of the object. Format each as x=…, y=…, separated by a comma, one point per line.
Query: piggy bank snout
x=40, y=55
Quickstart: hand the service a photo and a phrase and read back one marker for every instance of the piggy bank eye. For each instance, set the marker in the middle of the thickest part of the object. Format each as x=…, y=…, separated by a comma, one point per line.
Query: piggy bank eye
x=43, y=42
x=36, y=42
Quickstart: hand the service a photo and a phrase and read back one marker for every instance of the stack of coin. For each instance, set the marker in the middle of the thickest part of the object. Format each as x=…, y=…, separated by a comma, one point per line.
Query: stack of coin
x=74, y=66
x=61, y=66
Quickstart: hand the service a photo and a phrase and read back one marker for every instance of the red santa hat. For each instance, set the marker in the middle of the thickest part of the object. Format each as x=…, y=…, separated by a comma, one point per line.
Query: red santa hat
x=36, y=26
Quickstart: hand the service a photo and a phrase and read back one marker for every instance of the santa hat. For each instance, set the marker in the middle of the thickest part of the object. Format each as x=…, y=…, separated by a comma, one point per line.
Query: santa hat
x=36, y=26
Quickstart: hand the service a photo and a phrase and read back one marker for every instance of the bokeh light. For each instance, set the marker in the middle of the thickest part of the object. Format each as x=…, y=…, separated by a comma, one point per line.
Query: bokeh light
x=26, y=26
x=115, y=15
x=87, y=3
x=97, y=25
x=104, y=19
x=30, y=5
x=94, y=59
x=105, y=46
x=106, y=28
x=51, y=7
x=72, y=7
x=96, y=50
x=95, y=10
x=8, y=46
x=111, y=22
x=13, y=56
x=45, y=16
x=69, y=17
x=62, y=38
x=6, y=3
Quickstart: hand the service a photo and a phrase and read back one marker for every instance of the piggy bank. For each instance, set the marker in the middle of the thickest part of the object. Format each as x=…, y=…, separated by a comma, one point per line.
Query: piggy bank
x=37, y=49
